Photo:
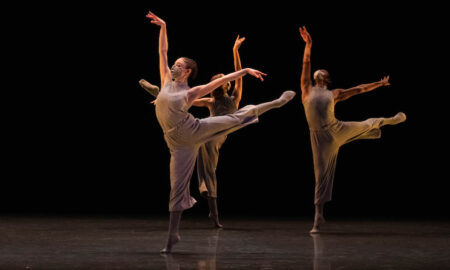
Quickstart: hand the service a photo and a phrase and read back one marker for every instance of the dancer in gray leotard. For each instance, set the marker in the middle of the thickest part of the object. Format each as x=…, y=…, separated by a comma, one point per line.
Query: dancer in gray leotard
x=183, y=133
x=220, y=103
x=327, y=133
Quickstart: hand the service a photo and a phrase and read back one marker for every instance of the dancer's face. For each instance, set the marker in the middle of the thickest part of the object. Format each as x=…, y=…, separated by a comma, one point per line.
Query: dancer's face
x=226, y=87
x=179, y=69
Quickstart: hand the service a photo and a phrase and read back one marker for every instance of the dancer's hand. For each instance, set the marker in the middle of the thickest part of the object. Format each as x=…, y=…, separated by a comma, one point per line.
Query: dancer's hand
x=306, y=36
x=238, y=42
x=385, y=81
x=155, y=19
x=256, y=73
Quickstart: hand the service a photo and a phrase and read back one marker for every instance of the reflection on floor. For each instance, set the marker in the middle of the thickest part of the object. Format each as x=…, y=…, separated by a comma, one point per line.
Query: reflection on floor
x=134, y=243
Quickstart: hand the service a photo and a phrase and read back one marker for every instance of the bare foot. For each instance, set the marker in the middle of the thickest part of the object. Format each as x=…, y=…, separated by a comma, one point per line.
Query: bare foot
x=400, y=117
x=318, y=220
x=171, y=241
x=150, y=88
x=215, y=220
x=286, y=97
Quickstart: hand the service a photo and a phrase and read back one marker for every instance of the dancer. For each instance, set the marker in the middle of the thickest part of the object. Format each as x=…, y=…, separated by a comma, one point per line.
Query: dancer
x=326, y=132
x=183, y=133
x=220, y=103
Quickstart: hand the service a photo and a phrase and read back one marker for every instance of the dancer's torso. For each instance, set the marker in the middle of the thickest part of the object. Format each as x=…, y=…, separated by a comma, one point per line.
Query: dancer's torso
x=223, y=105
x=171, y=105
x=319, y=108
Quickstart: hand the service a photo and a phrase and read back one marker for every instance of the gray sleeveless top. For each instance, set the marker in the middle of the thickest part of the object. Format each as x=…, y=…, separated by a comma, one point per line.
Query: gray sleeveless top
x=319, y=108
x=171, y=105
x=223, y=105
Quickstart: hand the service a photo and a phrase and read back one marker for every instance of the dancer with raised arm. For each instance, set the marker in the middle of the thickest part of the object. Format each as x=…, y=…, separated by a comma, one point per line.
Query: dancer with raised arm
x=326, y=132
x=220, y=103
x=183, y=133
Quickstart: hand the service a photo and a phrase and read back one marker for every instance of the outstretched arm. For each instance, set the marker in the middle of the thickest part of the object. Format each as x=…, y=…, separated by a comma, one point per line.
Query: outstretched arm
x=201, y=90
x=163, y=47
x=343, y=94
x=237, y=92
x=305, y=81
x=202, y=102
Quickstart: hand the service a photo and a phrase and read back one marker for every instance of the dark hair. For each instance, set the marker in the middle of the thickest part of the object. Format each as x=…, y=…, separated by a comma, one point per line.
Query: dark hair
x=191, y=64
x=218, y=92
x=217, y=76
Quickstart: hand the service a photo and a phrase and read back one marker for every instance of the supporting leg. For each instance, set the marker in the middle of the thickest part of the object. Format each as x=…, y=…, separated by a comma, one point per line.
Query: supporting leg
x=174, y=236
x=318, y=218
x=213, y=212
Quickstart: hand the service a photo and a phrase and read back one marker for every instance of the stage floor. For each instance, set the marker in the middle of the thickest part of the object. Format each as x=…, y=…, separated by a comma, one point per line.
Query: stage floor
x=35, y=242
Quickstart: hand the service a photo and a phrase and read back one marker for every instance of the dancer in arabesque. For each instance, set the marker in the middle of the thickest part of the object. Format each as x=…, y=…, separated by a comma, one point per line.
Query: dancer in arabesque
x=183, y=133
x=220, y=103
x=327, y=133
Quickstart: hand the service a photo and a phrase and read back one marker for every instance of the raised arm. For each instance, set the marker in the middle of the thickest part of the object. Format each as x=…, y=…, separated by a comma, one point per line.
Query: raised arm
x=305, y=81
x=163, y=47
x=343, y=94
x=237, y=92
x=201, y=90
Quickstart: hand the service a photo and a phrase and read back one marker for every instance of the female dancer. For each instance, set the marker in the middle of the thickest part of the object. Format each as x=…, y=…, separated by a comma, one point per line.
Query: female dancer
x=220, y=103
x=327, y=133
x=183, y=133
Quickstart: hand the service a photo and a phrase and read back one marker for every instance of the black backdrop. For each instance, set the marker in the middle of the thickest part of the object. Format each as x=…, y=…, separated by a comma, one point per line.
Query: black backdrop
x=81, y=137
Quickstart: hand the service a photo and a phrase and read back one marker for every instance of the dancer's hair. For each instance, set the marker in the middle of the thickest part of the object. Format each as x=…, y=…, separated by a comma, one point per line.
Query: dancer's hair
x=220, y=91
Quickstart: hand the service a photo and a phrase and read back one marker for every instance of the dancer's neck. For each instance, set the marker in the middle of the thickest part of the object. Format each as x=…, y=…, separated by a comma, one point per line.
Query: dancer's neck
x=324, y=86
x=180, y=81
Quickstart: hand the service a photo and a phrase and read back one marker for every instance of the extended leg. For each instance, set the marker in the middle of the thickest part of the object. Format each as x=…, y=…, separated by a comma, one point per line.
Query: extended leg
x=397, y=119
x=209, y=128
x=277, y=103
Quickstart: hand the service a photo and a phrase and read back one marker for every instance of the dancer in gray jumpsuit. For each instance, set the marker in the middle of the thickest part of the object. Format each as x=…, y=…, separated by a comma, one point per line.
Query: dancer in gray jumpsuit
x=220, y=103
x=183, y=133
x=326, y=132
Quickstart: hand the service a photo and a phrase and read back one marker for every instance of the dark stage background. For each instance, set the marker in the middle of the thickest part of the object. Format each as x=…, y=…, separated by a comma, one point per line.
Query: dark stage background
x=81, y=137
